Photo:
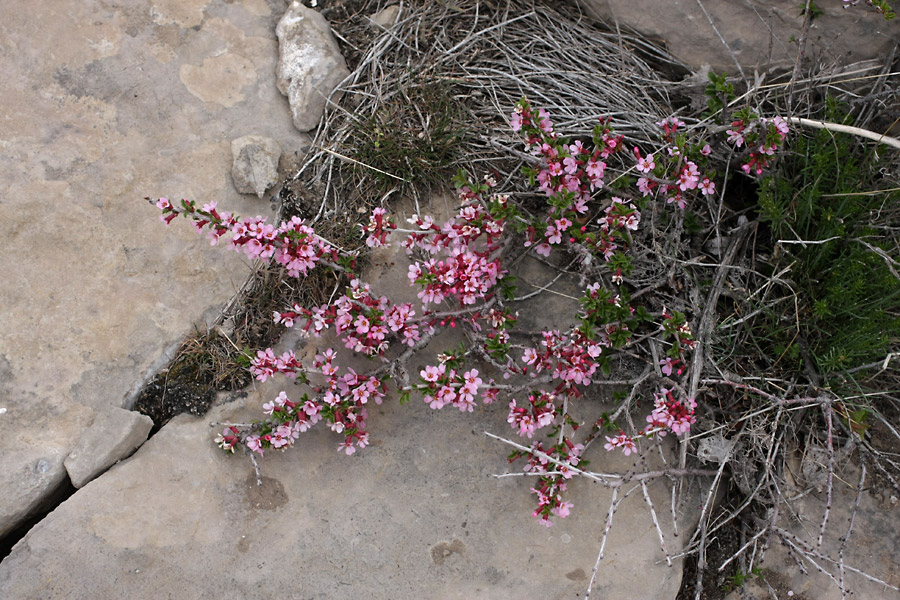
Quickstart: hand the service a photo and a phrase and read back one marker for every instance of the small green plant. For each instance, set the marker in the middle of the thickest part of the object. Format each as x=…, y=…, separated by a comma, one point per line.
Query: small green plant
x=718, y=93
x=738, y=580
x=814, y=11
x=824, y=218
x=413, y=138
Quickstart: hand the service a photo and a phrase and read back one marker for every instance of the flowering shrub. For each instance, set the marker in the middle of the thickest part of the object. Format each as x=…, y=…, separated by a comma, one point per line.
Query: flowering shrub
x=459, y=270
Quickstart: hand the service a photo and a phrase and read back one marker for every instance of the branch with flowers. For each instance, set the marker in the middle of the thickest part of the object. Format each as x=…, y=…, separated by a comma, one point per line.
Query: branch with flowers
x=460, y=269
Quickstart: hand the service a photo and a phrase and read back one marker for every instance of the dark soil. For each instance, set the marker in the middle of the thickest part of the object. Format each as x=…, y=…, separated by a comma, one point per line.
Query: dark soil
x=716, y=585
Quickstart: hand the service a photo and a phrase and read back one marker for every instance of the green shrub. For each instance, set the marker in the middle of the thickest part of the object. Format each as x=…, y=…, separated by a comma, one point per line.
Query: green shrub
x=846, y=296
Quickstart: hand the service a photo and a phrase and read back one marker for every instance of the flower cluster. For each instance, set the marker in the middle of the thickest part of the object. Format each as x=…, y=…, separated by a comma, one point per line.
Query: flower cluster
x=378, y=228
x=365, y=322
x=293, y=244
x=569, y=174
x=761, y=136
x=675, y=326
x=466, y=272
x=554, y=475
x=266, y=364
x=669, y=414
x=340, y=403
x=677, y=174
x=606, y=315
x=572, y=358
x=443, y=384
x=540, y=414
x=459, y=262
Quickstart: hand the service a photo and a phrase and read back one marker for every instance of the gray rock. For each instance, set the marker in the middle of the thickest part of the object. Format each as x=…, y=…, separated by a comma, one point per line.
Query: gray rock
x=139, y=100
x=415, y=515
x=255, y=164
x=114, y=435
x=35, y=437
x=386, y=16
x=871, y=547
x=310, y=64
x=759, y=33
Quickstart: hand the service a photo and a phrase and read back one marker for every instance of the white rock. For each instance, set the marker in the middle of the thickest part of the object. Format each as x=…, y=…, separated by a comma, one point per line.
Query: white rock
x=310, y=64
x=255, y=164
x=114, y=435
x=386, y=17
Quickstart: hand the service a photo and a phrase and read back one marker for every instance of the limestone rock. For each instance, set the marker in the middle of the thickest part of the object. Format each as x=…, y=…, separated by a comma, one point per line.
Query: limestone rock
x=93, y=310
x=310, y=64
x=871, y=547
x=35, y=437
x=386, y=16
x=114, y=435
x=414, y=515
x=759, y=33
x=255, y=164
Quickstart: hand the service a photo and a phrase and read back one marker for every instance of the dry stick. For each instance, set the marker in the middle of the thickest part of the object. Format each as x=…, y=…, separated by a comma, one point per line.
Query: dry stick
x=604, y=478
x=829, y=442
x=890, y=262
x=701, y=561
x=807, y=552
x=866, y=117
x=878, y=137
x=721, y=39
x=256, y=468
x=752, y=540
x=662, y=539
x=606, y=527
x=706, y=323
x=801, y=50
x=859, y=490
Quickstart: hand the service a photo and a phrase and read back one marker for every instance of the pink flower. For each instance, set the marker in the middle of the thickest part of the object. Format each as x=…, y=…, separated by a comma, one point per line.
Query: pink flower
x=516, y=120
x=646, y=164
x=254, y=444
x=347, y=447
x=562, y=511
x=735, y=137
x=595, y=169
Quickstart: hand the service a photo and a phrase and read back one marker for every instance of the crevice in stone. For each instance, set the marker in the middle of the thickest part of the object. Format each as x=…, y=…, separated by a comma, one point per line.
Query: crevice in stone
x=60, y=494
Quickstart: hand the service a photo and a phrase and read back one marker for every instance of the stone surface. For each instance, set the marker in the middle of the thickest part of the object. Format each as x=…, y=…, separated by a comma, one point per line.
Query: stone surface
x=310, y=64
x=759, y=33
x=386, y=17
x=104, y=104
x=38, y=435
x=114, y=435
x=254, y=167
x=872, y=547
x=415, y=515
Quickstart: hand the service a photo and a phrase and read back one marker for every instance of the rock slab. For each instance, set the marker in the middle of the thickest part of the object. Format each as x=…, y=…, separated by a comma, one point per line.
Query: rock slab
x=417, y=514
x=114, y=434
x=310, y=64
x=112, y=102
x=755, y=34
x=254, y=166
